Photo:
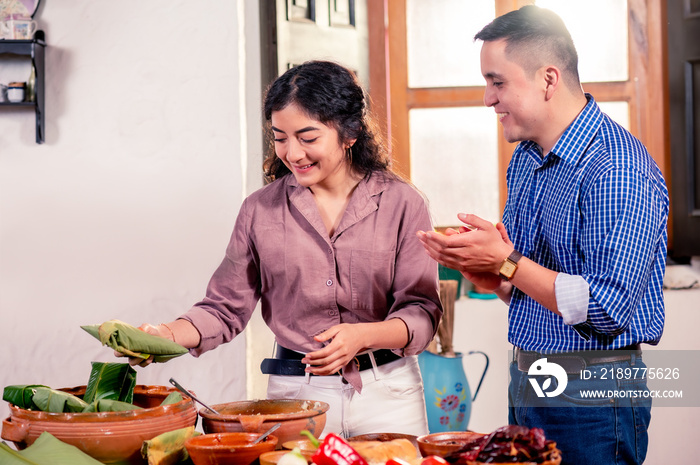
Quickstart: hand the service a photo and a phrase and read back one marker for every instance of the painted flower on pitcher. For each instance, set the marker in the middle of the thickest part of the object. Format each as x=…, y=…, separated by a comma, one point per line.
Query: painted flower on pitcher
x=449, y=403
x=452, y=406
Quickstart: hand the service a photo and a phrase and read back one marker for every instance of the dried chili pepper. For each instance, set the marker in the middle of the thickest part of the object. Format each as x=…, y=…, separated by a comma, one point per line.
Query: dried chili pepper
x=334, y=450
x=507, y=444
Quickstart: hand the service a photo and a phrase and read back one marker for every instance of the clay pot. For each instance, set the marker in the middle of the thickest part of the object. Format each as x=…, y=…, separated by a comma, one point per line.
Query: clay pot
x=443, y=444
x=257, y=416
x=272, y=457
x=110, y=437
x=228, y=448
x=304, y=445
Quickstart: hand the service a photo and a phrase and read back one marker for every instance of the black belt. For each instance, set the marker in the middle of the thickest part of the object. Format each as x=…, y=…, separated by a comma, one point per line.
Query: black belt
x=574, y=362
x=287, y=362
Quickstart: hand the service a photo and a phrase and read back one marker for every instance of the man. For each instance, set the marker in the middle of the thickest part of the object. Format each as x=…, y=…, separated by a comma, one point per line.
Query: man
x=580, y=255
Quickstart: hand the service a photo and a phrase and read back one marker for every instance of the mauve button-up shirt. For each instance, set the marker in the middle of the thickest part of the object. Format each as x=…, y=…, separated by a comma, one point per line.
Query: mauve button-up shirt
x=372, y=269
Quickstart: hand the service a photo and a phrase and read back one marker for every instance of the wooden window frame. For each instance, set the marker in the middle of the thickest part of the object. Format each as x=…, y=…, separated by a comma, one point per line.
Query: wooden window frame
x=645, y=89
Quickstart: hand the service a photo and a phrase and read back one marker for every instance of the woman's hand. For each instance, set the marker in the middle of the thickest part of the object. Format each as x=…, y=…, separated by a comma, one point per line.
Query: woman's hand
x=160, y=330
x=345, y=342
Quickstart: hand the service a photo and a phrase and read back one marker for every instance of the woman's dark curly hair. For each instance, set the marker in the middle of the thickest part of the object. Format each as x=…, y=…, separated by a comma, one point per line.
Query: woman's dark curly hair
x=331, y=94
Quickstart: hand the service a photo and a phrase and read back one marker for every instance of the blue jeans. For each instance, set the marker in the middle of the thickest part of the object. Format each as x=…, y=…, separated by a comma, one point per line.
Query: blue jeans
x=607, y=430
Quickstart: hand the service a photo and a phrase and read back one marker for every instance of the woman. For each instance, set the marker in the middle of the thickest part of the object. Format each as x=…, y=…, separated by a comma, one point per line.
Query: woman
x=330, y=249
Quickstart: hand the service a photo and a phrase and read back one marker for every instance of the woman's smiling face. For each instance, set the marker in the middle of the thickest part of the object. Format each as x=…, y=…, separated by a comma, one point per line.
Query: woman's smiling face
x=310, y=149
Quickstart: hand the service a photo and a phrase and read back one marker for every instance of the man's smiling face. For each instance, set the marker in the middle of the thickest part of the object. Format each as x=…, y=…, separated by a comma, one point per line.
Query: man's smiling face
x=516, y=97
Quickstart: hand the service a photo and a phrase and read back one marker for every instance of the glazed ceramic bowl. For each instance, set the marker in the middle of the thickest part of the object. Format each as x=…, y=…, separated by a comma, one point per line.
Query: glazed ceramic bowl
x=443, y=444
x=109, y=437
x=272, y=457
x=304, y=445
x=257, y=416
x=228, y=448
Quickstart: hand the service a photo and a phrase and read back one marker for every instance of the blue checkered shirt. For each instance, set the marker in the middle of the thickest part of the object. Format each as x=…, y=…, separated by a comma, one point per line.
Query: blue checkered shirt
x=596, y=206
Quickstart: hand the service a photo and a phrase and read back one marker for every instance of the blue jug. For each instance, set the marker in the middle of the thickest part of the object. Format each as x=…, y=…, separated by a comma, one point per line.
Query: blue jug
x=448, y=399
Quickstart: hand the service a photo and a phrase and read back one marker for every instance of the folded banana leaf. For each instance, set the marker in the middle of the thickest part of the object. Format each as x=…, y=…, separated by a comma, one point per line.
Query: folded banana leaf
x=113, y=381
x=168, y=448
x=133, y=342
x=21, y=395
x=173, y=398
x=53, y=400
x=46, y=450
x=110, y=405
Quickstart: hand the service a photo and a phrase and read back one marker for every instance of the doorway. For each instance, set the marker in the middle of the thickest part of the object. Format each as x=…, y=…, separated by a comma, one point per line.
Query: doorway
x=684, y=118
x=294, y=31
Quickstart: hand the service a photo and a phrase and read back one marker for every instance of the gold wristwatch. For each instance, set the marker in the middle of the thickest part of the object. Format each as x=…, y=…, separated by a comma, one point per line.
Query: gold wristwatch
x=510, y=265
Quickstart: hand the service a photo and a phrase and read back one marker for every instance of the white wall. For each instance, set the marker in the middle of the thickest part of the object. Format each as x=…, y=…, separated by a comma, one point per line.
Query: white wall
x=152, y=114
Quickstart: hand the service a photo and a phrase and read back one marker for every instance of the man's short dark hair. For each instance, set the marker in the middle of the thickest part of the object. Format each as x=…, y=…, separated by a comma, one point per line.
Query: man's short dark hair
x=535, y=37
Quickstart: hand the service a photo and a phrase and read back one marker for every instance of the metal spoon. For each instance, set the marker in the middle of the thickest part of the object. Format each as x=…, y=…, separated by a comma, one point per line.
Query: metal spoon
x=187, y=393
x=267, y=433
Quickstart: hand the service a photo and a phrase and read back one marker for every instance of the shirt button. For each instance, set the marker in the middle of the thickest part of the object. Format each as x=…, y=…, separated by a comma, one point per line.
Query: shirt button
x=329, y=282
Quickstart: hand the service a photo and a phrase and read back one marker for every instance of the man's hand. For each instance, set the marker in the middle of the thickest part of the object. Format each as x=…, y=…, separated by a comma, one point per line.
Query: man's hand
x=488, y=281
x=479, y=247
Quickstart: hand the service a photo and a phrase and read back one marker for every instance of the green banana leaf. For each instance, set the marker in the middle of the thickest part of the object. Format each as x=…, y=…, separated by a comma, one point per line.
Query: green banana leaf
x=52, y=400
x=168, y=448
x=110, y=405
x=173, y=398
x=45, y=450
x=114, y=381
x=21, y=395
x=133, y=342
x=9, y=456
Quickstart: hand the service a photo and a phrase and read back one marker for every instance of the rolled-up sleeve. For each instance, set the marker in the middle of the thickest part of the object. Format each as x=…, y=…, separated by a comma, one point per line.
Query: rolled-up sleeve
x=624, y=230
x=416, y=287
x=232, y=292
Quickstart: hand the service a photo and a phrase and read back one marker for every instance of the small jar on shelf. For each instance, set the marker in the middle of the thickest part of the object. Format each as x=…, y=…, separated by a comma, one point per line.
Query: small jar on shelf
x=16, y=92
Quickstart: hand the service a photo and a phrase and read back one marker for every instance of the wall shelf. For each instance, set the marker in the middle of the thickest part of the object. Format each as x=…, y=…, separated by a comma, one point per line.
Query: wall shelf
x=34, y=49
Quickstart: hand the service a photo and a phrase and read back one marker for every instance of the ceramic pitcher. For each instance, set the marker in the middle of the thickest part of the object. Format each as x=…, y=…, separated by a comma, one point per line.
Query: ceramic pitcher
x=448, y=398
x=5, y=31
x=18, y=29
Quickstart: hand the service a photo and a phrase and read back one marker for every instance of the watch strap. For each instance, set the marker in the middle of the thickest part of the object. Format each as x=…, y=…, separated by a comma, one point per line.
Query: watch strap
x=515, y=256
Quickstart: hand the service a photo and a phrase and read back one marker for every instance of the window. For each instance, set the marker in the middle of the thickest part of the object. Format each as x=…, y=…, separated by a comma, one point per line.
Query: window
x=426, y=79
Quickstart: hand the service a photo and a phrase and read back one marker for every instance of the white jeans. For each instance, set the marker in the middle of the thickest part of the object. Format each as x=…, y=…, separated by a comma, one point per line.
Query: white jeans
x=391, y=400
